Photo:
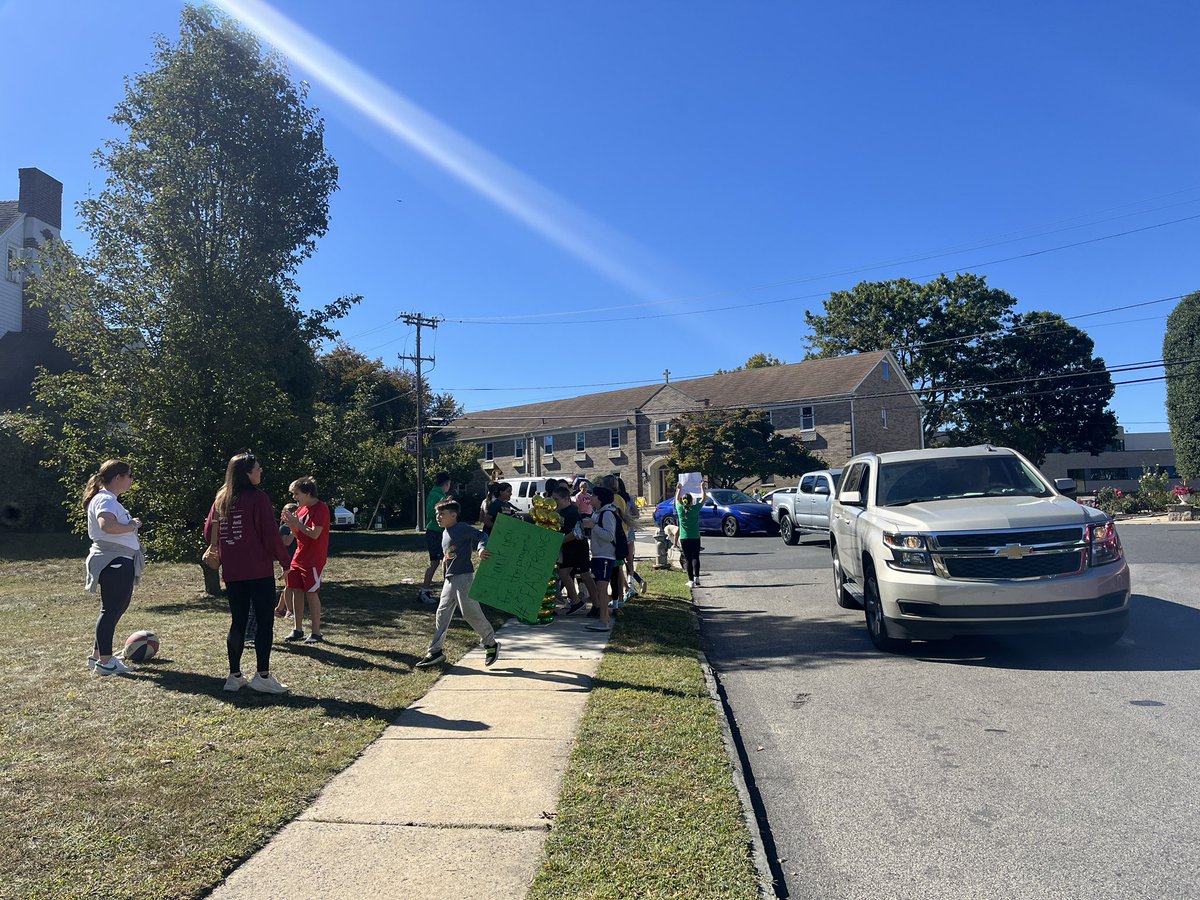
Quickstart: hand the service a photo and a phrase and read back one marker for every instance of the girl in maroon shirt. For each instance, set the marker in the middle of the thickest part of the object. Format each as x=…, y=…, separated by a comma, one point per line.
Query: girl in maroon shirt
x=249, y=545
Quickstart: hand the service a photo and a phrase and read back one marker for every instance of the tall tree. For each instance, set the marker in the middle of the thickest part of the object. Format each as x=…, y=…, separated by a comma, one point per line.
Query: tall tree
x=729, y=445
x=933, y=329
x=1181, y=354
x=1047, y=391
x=183, y=313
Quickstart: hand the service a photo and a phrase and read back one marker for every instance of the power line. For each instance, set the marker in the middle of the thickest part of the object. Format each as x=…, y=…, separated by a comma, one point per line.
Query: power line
x=740, y=306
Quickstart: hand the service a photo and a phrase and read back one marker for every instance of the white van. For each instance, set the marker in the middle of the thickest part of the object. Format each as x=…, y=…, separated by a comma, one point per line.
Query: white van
x=523, y=492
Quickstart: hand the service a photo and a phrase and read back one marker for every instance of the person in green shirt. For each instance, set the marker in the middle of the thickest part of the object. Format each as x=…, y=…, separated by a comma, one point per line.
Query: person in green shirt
x=433, y=533
x=687, y=511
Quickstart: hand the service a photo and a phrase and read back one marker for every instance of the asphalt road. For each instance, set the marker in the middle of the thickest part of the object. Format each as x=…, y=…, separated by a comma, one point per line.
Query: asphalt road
x=988, y=768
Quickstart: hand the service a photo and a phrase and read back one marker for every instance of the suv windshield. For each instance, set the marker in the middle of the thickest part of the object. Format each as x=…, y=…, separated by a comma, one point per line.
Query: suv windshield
x=957, y=477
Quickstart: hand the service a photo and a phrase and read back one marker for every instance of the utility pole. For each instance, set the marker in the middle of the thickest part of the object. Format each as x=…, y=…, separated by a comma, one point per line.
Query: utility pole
x=420, y=321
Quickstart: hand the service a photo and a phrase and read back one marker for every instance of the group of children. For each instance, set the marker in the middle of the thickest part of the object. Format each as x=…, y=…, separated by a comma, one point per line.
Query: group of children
x=596, y=562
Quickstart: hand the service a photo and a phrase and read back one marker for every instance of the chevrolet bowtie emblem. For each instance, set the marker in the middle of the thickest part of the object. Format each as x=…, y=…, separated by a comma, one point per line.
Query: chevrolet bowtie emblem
x=1015, y=551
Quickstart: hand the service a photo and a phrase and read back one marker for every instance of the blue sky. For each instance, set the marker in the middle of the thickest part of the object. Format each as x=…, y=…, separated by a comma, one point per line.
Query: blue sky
x=619, y=160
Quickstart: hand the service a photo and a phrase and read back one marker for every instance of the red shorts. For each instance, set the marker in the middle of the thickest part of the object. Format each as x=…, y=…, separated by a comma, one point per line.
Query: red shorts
x=304, y=579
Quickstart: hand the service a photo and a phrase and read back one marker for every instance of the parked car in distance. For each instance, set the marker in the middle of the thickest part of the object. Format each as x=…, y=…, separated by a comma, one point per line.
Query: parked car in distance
x=344, y=518
x=806, y=509
x=728, y=511
x=774, y=495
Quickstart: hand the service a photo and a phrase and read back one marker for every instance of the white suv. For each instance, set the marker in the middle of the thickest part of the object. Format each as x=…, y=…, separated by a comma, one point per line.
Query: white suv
x=971, y=540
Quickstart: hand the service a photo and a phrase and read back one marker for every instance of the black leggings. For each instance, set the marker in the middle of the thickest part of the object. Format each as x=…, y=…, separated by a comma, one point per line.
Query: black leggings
x=691, y=553
x=116, y=589
x=259, y=593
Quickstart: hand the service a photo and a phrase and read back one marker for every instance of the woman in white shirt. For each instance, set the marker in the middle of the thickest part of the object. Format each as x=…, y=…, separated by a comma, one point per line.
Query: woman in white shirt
x=115, y=559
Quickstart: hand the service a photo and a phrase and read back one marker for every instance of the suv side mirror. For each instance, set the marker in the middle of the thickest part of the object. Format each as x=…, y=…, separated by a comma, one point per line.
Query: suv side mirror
x=1065, y=486
x=821, y=488
x=850, y=498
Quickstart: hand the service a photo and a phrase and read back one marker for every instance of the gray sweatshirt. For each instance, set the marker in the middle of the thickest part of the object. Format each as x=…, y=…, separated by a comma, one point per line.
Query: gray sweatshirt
x=104, y=552
x=604, y=535
x=458, y=543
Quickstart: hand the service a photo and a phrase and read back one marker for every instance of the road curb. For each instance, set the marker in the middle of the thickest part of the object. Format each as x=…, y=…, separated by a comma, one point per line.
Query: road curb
x=770, y=884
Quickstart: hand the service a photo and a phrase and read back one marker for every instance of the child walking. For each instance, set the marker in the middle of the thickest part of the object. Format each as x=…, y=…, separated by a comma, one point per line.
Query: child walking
x=459, y=540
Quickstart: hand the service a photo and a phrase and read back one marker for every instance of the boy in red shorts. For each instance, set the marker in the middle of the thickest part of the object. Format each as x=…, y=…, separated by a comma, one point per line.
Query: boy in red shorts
x=311, y=525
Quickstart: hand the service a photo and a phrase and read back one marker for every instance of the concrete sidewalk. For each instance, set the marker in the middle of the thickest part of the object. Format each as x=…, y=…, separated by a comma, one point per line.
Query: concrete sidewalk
x=456, y=798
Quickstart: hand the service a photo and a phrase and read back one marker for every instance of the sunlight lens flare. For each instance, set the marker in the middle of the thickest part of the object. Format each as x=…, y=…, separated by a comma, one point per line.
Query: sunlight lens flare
x=555, y=219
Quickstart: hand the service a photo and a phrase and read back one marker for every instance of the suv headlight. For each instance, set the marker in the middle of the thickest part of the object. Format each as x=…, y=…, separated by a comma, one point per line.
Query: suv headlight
x=1103, y=544
x=909, y=551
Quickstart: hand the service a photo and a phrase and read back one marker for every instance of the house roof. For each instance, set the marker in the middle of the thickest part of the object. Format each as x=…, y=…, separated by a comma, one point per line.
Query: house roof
x=9, y=213
x=815, y=378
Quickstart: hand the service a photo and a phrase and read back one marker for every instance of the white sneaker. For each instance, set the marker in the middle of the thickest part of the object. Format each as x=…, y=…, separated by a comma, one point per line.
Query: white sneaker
x=267, y=685
x=630, y=594
x=429, y=597
x=91, y=662
x=691, y=583
x=113, y=667
x=236, y=682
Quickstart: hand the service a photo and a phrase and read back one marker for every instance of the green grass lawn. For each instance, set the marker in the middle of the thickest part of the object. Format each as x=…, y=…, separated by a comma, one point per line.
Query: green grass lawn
x=648, y=807
x=158, y=784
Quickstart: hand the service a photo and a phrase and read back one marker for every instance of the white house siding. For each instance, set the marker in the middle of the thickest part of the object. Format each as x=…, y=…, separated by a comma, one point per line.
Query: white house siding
x=10, y=291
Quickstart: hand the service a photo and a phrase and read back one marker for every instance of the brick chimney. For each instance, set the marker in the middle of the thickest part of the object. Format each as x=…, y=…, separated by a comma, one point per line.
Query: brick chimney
x=41, y=196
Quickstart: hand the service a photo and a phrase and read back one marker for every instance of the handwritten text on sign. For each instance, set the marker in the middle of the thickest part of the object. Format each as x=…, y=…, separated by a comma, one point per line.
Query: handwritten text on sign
x=513, y=578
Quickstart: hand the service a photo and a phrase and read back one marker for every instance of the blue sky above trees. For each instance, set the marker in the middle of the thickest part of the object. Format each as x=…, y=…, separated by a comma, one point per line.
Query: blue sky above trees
x=502, y=162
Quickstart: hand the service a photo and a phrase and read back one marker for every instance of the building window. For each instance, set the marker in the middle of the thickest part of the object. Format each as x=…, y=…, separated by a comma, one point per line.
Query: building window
x=519, y=448
x=661, y=432
x=614, y=439
x=14, y=256
x=489, y=451
x=883, y=416
x=549, y=445
x=580, y=442
x=887, y=370
x=807, y=420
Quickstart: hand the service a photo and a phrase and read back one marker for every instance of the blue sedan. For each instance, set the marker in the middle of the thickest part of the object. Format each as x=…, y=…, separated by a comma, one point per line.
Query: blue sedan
x=729, y=512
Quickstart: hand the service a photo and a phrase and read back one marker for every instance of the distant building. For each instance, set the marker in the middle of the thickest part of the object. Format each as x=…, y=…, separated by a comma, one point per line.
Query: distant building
x=25, y=338
x=838, y=407
x=1119, y=466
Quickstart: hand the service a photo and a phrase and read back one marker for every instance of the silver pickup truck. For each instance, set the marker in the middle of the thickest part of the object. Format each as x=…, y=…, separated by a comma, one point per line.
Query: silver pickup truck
x=973, y=540
x=807, y=510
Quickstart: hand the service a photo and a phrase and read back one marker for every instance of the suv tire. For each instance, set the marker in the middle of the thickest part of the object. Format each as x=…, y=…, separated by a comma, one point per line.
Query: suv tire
x=844, y=598
x=876, y=625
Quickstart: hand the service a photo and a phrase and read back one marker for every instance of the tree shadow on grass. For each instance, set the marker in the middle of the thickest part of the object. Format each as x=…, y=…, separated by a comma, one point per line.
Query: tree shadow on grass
x=34, y=546
x=374, y=542
x=327, y=654
x=1160, y=638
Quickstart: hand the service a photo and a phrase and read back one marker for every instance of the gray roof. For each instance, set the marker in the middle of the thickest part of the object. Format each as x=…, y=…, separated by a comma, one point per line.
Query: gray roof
x=816, y=378
x=9, y=213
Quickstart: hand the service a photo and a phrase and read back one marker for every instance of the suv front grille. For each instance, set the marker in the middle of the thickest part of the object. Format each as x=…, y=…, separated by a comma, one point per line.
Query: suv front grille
x=998, y=567
x=974, y=539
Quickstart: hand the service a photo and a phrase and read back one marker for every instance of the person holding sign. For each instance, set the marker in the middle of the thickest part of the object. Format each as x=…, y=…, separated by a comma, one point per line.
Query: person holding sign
x=687, y=511
x=459, y=540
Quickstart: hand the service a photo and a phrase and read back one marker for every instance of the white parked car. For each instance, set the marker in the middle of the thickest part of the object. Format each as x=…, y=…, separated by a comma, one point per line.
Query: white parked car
x=344, y=518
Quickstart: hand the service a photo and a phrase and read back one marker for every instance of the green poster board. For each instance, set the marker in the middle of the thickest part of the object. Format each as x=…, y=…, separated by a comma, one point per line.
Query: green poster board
x=522, y=560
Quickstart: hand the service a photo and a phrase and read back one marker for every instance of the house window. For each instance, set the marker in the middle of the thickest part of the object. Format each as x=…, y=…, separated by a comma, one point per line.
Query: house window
x=580, y=442
x=661, y=430
x=14, y=255
x=614, y=439
x=883, y=415
x=489, y=451
x=887, y=370
x=519, y=448
x=807, y=420
x=549, y=446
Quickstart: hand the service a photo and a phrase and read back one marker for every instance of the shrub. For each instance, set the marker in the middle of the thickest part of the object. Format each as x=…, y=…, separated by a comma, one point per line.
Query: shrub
x=1155, y=490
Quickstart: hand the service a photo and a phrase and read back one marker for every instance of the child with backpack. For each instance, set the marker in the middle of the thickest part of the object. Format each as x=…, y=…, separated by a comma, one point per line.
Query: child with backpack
x=608, y=544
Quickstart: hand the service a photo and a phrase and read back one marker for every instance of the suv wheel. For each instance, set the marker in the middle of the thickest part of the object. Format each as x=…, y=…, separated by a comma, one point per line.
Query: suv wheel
x=876, y=626
x=729, y=526
x=844, y=598
x=787, y=530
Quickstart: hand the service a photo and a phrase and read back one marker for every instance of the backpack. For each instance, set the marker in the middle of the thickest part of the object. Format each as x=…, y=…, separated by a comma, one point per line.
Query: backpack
x=620, y=542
